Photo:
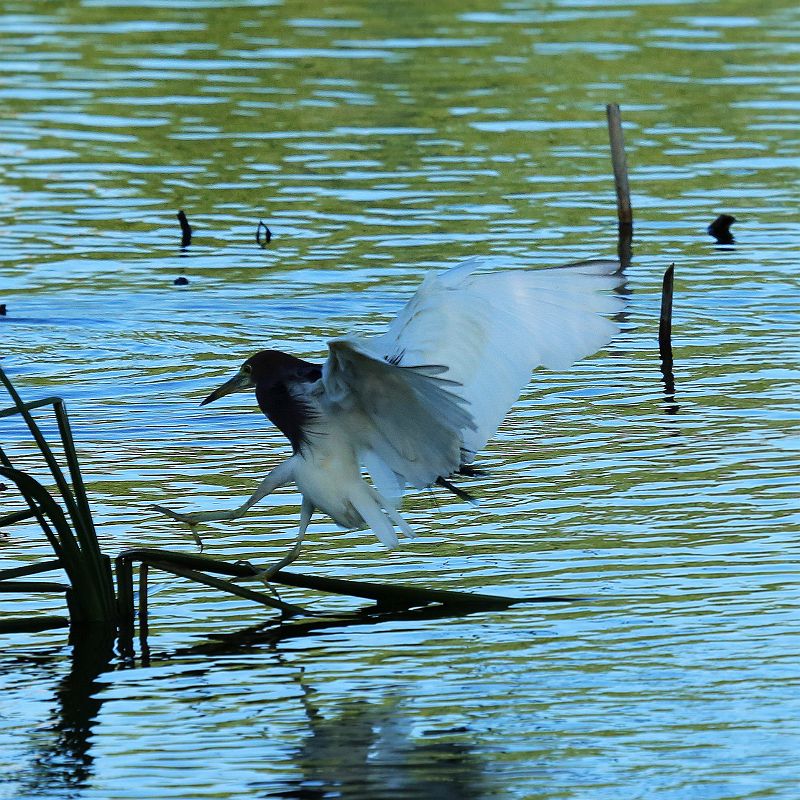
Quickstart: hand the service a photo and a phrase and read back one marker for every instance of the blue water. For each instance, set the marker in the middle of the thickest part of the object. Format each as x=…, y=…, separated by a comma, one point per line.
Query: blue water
x=378, y=143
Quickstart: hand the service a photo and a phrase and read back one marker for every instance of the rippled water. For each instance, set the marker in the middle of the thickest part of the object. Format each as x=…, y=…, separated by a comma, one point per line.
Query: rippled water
x=379, y=142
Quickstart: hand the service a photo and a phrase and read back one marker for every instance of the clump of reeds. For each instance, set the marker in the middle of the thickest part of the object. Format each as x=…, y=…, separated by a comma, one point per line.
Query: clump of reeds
x=67, y=524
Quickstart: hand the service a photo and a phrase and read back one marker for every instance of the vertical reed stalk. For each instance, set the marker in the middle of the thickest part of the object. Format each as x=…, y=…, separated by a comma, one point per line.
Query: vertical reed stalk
x=665, y=319
x=91, y=596
x=620, y=166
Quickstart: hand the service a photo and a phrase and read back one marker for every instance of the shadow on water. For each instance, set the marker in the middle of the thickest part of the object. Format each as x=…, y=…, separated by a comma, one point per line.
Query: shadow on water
x=271, y=634
x=62, y=760
x=359, y=749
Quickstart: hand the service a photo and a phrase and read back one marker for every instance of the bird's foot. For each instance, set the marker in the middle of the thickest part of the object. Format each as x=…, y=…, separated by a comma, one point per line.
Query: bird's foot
x=263, y=575
x=266, y=575
x=191, y=519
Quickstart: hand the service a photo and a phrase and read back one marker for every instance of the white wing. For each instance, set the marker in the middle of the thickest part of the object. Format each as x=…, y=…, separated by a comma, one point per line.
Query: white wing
x=424, y=397
x=406, y=423
x=492, y=329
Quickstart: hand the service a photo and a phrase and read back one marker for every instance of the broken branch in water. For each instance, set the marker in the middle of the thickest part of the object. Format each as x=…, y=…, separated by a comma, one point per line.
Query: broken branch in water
x=620, y=166
x=267, y=234
x=186, y=230
x=665, y=321
x=665, y=338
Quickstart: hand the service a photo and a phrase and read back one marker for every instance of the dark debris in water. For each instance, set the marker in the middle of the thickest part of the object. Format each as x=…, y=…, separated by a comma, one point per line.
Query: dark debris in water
x=182, y=280
x=2, y=309
x=720, y=229
x=267, y=234
x=665, y=340
x=186, y=230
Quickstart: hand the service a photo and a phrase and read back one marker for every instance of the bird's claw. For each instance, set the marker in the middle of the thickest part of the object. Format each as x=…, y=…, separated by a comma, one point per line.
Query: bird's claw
x=263, y=575
x=188, y=519
x=266, y=575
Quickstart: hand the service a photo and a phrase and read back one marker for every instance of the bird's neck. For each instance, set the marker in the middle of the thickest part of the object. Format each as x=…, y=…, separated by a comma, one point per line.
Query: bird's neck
x=287, y=408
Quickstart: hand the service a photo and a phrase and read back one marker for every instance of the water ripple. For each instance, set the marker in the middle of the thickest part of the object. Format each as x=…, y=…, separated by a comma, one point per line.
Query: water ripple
x=378, y=146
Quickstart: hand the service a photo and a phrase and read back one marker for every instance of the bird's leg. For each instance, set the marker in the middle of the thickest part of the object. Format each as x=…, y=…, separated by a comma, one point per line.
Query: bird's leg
x=306, y=510
x=280, y=476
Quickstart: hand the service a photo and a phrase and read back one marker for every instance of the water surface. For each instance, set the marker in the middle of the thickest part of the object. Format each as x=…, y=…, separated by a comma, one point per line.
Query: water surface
x=379, y=143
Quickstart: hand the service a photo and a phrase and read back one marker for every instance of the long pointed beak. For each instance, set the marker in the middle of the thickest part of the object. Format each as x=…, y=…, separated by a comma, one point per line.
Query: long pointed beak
x=239, y=382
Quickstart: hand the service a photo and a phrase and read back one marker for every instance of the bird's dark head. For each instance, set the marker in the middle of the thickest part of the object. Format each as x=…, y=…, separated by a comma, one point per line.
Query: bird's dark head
x=266, y=368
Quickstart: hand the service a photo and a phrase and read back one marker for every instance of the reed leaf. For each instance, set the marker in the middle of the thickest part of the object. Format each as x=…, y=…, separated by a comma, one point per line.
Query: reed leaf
x=91, y=599
x=76, y=546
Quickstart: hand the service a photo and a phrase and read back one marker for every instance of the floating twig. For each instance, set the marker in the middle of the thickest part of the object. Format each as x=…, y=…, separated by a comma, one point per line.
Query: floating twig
x=267, y=234
x=33, y=587
x=720, y=229
x=186, y=230
x=30, y=569
x=399, y=596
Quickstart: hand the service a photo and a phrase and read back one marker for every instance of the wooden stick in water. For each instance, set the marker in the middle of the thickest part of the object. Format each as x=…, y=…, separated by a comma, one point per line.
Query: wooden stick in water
x=383, y=594
x=665, y=321
x=620, y=165
x=665, y=341
x=227, y=586
x=186, y=229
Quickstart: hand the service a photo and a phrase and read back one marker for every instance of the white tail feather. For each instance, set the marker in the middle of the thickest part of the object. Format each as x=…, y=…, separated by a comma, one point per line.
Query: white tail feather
x=395, y=518
x=372, y=514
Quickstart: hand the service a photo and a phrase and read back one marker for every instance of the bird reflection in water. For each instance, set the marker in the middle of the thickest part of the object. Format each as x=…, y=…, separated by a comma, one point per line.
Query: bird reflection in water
x=365, y=750
x=369, y=751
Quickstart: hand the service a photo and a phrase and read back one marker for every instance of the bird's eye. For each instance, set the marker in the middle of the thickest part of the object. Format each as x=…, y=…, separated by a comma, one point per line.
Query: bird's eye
x=246, y=369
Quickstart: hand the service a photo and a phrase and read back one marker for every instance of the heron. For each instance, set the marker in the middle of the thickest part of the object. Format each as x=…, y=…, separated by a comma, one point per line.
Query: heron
x=414, y=405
